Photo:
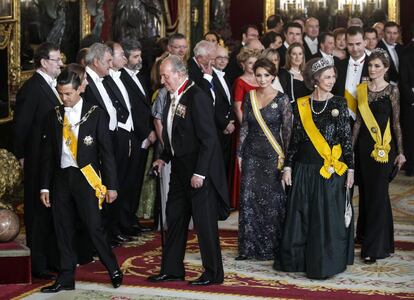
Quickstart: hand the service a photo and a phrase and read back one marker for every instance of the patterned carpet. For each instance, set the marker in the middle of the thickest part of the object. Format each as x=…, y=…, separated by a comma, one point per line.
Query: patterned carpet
x=392, y=278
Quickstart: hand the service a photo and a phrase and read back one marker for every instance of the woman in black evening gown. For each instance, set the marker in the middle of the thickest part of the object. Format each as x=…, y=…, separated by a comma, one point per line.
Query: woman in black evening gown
x=319, y=166
x=377, y=158
x=262, y=199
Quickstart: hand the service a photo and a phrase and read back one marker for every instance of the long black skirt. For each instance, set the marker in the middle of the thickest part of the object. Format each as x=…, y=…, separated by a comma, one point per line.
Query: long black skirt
x=315, y=239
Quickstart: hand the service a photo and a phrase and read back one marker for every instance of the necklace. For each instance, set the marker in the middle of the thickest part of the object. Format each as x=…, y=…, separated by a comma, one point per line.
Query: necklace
x=321, y=111
x=295, y=72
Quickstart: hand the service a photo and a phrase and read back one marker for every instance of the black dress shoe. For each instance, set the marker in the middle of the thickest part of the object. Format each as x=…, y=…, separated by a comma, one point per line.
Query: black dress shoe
x=241, y=257
x=115, y=244
x=116, y=278
x=141, y=228
x=43, y=275
x=122, y=238
x=164, y=278
x=56, y=287
x=370, y=260
x=202, y=281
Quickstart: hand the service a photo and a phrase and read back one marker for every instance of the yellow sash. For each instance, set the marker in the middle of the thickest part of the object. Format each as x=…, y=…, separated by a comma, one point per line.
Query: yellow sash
x=266, y=130
x=88, y=171
x=352, y=103
x=382, y=143
x=331, y=163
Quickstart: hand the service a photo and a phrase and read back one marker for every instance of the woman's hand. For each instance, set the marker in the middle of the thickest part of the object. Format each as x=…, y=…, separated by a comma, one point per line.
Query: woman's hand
x=239, y=161
x=350, y=179
x=400, y=160
x=287, y=177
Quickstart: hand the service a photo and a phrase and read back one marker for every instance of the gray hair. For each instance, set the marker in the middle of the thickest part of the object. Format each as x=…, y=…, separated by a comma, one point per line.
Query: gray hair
x=204, y=48
x=96, y=51
x=178, y=65
x=130, y=45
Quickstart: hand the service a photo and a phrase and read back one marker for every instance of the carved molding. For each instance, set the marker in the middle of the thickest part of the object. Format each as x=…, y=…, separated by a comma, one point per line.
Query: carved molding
x=269, y=9
x=5, y=34
x=85, y=20
x=206, y=17
x=394, y=10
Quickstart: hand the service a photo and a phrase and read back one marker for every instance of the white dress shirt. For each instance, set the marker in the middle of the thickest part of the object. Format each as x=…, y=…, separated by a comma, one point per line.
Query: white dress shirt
x=393, y=53
x=133, y=74
x=353, y=77
x=128, y=125
x=220, y=74
x=51, y=82
x=105, y=97
x=312, y=44
x=325, y=55
x=73, y=115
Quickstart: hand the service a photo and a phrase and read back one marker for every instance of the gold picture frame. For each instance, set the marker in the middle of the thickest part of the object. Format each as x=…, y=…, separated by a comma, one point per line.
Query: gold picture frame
x=6, y=9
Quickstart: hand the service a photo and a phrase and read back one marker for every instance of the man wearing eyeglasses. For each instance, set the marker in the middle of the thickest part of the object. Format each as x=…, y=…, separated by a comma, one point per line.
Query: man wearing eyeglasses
x=34, y=100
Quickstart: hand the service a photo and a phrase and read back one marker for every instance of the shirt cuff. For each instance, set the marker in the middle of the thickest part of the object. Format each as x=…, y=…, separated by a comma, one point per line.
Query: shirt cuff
x=201, y=176
x=44, y=191
x=208, y=77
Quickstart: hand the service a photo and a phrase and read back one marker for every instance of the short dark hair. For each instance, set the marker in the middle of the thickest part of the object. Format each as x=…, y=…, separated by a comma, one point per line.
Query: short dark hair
x=78, y=69
x=273, y=20
x=69, y=77
x=176, y=36
x=293, y=25
x=42, y=52
x=81, y=55
x=213, y=33
x=339, y=31
x=391, y=24
x=354, y=30
x=269, y=38
x=245, y=28
x=265, y=64
x=130, y=45
x=381, y=56
x=371, y=30
x=89, y=40
x=322, y=37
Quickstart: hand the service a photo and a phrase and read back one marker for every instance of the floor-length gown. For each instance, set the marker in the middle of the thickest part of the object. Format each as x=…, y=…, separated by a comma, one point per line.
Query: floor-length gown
x=262, y=198
x=375, y=224
x=315, y=239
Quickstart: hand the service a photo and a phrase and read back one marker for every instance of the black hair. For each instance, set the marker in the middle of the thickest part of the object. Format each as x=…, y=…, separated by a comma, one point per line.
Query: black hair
x=42, y=52
x=68, y=76
x=273, y=20
x=293, y=25
x=265, y=64
x=323, y=35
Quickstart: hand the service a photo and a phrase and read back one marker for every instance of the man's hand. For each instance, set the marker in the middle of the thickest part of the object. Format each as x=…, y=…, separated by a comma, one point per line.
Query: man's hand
x=158, y=164
x=230, y=128
x=111, y=196
x=197, y=182
x=152, y=137
x=44, y=197
x=399, y=160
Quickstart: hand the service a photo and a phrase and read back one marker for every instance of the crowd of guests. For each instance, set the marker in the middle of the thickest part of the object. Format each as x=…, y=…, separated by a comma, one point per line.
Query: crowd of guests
x=280, y=128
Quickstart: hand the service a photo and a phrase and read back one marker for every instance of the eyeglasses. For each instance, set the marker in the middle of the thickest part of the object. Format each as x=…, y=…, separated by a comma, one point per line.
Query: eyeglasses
x=222, y=58
x=57, y=60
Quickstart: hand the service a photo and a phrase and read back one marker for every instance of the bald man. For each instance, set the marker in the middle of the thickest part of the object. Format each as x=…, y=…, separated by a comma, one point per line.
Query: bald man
x=310, y=40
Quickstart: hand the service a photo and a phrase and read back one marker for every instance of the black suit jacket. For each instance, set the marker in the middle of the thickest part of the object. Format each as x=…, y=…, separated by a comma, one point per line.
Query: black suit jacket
x=93, y=96
x=392, y=71
x=99, y=153
x=223, y=109
x=233, y=70
x=407, y=76
x=33, y=101
x=117, y=99
x=140, y=106
x=282, y=54
x=194, y=138
x=308, y=52
x=342, y=68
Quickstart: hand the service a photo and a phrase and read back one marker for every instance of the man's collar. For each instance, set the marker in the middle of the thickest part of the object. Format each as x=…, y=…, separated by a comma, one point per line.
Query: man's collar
x=389, y=45
x=358, y=61
x=131, y=72
x=46, y=76
x=180, y=88
x=95, y=77
x=76, y=108
x=114, y=74
x=309, y=40
x=286, y=44
x=219, y=72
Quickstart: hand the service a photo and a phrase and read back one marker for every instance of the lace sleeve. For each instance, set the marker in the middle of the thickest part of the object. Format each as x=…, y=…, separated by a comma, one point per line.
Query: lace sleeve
x=395, y=103
x=244, y=127
x=356, y=129
x=345, y=135
x=296, y=138
x=286, y=122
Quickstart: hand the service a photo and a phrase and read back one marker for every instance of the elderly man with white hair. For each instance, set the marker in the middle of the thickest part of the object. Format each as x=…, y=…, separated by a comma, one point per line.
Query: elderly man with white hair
x=198, y=186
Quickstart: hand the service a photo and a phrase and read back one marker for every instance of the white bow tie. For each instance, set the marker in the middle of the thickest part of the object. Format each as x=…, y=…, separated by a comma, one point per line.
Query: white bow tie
x=221, y=73
x=53, y=83
x=116, y=74
x=69, y=109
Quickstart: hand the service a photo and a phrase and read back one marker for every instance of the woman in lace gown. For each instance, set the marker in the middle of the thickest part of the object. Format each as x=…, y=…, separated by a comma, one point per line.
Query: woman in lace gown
x=262, y=199
x=375, y=215
x=319, y=166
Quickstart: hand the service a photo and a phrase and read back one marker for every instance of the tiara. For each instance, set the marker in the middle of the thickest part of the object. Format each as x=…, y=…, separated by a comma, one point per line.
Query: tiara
x=380, y=51
x=322, y=63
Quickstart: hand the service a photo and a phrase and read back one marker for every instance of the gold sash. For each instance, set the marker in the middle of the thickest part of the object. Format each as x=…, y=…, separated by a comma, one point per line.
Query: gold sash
x=88, y=171
x=266, y=130
x=352, y=103
x=382, y=143
x=331, y=163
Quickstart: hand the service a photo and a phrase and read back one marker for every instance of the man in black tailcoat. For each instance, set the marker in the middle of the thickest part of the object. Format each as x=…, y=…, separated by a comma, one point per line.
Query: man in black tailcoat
x=34, y=100
x=198, y=186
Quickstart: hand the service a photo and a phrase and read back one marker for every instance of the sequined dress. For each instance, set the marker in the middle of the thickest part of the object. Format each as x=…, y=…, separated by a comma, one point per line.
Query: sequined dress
x=375, y=224
x=315, y=239
x=262, y=199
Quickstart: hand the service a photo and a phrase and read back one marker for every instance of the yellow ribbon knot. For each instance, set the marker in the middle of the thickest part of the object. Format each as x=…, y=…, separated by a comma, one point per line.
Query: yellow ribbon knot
x=332, y=164
x=380, y=152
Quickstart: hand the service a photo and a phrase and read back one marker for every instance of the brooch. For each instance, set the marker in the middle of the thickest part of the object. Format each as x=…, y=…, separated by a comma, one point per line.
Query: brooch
x=373, y=130
x=335, y=113
x=88, y=140
x=274, y=105
x=381, y=153
x=181, y=110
